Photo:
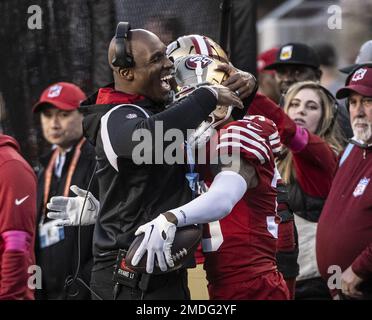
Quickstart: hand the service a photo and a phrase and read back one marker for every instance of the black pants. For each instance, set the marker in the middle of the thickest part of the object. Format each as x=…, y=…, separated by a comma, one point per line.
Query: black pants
x=170, y=286
x=312, y=289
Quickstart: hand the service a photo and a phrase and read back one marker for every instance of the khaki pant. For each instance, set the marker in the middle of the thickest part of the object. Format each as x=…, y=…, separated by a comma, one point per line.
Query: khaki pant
x=197, y=283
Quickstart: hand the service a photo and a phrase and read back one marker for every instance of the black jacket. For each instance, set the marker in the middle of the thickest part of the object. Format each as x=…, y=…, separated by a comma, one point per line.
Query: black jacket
x=133, y=194
x=60, y=260
x=303, y=205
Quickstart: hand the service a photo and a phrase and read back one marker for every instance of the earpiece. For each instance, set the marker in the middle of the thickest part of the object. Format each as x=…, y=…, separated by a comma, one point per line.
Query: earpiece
x=122, y=58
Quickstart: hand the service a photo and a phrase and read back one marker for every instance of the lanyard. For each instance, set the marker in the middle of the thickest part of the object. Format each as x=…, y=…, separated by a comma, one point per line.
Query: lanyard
x=70, y=172
x=191, y=176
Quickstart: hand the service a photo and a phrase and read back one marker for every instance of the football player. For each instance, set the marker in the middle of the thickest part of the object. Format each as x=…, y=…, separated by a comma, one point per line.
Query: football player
x=287, y=250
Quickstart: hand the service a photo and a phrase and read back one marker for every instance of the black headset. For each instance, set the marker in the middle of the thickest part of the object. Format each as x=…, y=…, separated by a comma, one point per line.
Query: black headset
x=122, y=58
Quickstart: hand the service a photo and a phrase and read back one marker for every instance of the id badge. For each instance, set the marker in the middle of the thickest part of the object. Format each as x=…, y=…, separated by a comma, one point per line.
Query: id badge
x=50, y=233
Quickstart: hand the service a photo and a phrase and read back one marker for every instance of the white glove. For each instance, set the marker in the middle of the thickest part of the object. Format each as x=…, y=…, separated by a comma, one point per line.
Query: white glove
x=68, y=209
x=158, y=240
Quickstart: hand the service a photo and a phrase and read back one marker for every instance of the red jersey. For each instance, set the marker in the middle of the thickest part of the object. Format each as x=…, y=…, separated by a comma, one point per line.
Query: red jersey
x=242, y=245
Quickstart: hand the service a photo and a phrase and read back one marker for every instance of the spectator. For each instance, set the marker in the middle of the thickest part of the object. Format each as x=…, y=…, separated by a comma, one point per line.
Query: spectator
x=344, y=238
x=267, y=84
x=71, y=160
x=296, y=62
x=17, y=222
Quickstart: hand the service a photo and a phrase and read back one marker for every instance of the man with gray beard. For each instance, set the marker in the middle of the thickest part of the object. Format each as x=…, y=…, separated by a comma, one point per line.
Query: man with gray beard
x=344, y=238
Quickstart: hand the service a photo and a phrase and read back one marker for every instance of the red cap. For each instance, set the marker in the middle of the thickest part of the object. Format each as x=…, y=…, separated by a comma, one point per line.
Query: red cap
x=266, y=58
x=62, y=95
x=360, y=82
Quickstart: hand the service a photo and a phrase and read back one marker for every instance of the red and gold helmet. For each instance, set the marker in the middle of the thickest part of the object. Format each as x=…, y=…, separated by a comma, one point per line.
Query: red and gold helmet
x=196, y=44
x=193, y=71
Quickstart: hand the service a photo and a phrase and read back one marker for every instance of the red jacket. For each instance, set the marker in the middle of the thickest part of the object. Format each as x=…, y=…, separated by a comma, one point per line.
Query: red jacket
x=344, y=236
x=315, y=164
x=17, y=221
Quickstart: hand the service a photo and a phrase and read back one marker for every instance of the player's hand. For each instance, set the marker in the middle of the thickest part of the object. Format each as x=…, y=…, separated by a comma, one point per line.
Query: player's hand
x=349, y=283
x=158, y=240
x=226, y=97
x=69, y=209
x=240, y=82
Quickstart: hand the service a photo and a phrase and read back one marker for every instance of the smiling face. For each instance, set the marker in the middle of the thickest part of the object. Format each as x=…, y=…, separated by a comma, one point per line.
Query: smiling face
x=152, y=69
x=305, y=109
x=151, y=74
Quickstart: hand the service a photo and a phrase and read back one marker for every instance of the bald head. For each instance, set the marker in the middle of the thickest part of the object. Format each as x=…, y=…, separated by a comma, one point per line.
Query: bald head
x=147, y=77
x=138, y=41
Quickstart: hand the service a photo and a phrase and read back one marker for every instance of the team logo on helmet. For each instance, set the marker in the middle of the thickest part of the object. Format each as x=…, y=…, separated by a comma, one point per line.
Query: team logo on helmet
x=131, y=116
x=192, y=62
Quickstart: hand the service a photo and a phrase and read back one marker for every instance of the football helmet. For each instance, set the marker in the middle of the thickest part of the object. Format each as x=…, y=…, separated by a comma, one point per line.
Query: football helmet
x=191, y=72
x=196, y=44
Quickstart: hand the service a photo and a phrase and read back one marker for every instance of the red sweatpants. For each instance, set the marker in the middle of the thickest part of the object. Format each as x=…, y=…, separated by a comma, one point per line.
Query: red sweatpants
x=270, y=286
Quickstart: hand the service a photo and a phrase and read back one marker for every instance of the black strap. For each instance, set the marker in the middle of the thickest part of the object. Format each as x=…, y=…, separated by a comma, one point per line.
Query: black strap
x=122, y=58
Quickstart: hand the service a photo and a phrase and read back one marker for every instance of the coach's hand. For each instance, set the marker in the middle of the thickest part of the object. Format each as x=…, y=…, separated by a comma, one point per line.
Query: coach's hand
x=240, y=82
x=158, y=240
x=226, y=97
x=69, y=210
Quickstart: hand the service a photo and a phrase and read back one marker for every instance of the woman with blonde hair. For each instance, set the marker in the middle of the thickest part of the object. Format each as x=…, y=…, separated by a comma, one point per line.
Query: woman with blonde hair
x=312, y=140
x=320, y=113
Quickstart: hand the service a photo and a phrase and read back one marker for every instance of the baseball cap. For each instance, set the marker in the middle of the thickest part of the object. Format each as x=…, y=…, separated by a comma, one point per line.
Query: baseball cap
x=295, y=54
x=266, y=58
x=360, y=82
x=364, y=56
x=62, y=95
